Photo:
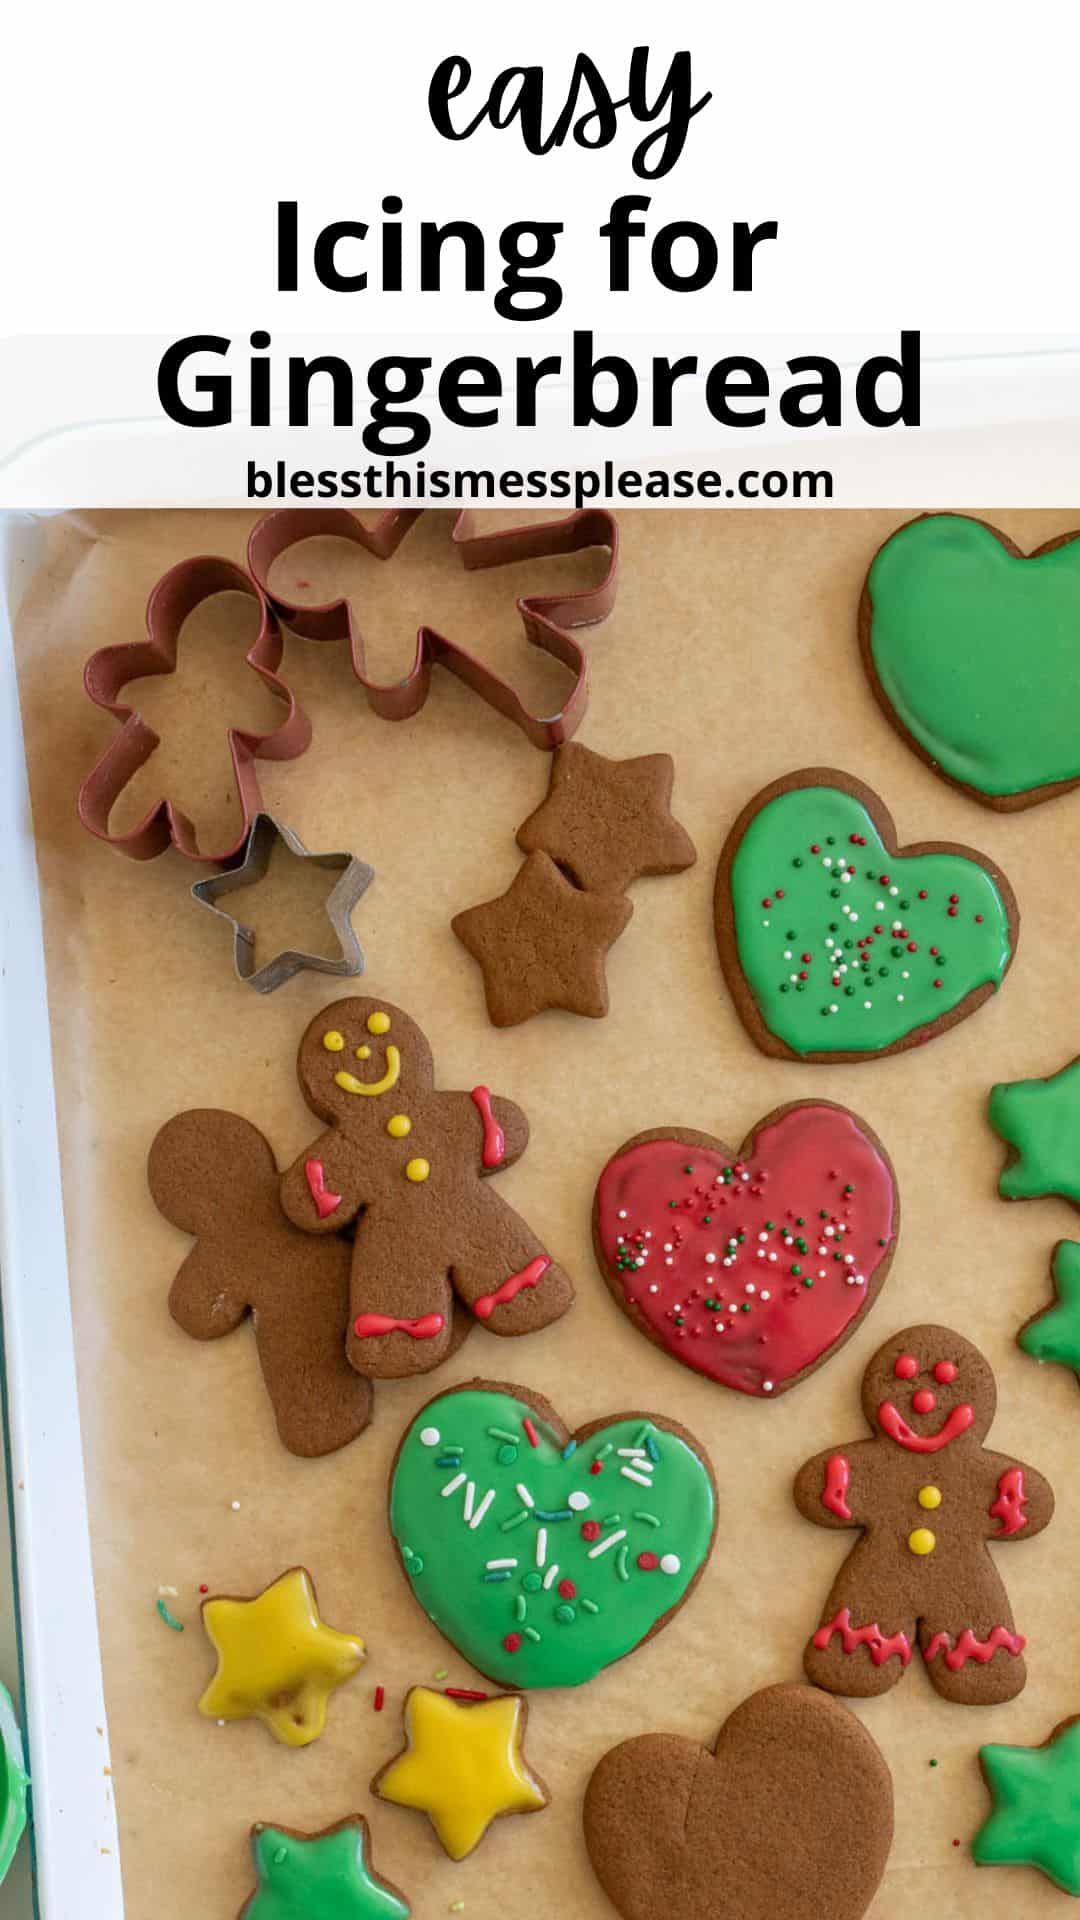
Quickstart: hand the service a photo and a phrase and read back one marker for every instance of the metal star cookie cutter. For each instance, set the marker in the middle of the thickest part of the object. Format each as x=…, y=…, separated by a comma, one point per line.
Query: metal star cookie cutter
x=356, y=876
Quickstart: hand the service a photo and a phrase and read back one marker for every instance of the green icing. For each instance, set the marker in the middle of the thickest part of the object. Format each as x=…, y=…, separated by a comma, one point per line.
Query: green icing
x=1040, y=1121
x=1055, y=1333
x=1035, y=1820
x=856, y=998
x=978, y=652
x=322, y=1877
x=13, y=1783
x=557, y=1638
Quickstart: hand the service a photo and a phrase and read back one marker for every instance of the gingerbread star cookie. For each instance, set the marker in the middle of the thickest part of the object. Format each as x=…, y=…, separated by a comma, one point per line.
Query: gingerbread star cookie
x=329, y=1874
x=278, y=1661
x=1054, y=1332
x=1039, y=1121
x=542, y=944
x=463, y=1766
x=606, y=822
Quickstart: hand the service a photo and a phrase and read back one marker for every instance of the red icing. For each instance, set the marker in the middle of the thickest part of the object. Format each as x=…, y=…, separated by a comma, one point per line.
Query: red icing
x=567, y=1590
x=529, y=1276
x=648, y=1562
x=837, y=1482
x=494, y=1138
x=370, y=1325
x=881, y=1646
x=945, y=1372
x=924, y=1401
x=531, y=1434
x=512, y=1642
x=1010, y=1503
x=906, y=1367
x=959, y=1652
x=799, y=1169
x=892, y=1423
x=590, y=1529
x=315, y=1174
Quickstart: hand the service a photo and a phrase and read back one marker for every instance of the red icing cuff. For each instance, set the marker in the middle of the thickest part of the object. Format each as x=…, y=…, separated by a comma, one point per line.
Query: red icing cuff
x=837, y=1482
x=880, y=1646
x=529, y=1276
x=967, y=1647
x=325, y=1203
x=1010, y=1503
x=369, y=1325
x=494, y=1138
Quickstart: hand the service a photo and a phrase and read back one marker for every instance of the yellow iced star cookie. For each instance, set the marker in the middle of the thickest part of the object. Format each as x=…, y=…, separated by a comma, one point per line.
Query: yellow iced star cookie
x=277, y=1660
x=463, y=1766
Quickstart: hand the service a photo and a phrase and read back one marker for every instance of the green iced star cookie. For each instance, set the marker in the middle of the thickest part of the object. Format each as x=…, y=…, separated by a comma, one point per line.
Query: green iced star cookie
x=1039, y=1120
x=1035, y=1820
x=319, y=1876
x=1054, y=1333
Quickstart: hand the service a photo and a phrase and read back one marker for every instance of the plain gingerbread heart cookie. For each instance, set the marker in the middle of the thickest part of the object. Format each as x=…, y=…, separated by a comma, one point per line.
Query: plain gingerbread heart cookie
x=788, y=1817
x=972, y=649
x=838, y=944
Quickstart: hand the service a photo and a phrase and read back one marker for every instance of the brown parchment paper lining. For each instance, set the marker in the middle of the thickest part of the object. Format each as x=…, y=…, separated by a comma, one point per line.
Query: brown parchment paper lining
x=733, y=646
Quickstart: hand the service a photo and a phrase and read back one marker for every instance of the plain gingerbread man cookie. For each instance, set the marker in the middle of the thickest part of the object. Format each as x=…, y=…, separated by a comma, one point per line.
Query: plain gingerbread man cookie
x=929, y=1496
x=214, y=1175
x=413, y=1162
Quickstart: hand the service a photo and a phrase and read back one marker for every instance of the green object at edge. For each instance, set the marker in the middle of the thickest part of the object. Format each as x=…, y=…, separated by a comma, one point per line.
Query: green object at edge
x=13, y=1784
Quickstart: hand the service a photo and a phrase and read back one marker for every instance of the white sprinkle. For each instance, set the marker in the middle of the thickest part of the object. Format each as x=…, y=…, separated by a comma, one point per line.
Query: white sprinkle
x=429, y=1436
x=879, y=906
x=611, y=1541
x=453, y=1485
x=470, y=1495
x=849, y=1259
x=523, y=1495
x=774, y=1257
x=653, y=1287
x=845, y=877
x=894, y=890
x=788, y=955
x=490, y=1565
x=633, y=1453
x=904, y=974
x=853, y=915
x=710, y=1259
x=622, y=1213
x=827, y=861
x=764, y=923
x=482, y=1508
x=551, y=1575
x=169, y=1593
x=639, y=1479
x=834, y=1008
x=236, y=1506
x=829, y=1231
x=749, y=1287
x=670, y=1563
x=541, y=1546
x=867, y=1004
x=899, y=996
x=763, y=1236
x=766, y=1386
x=667, y=1246
x=577, y=1501
x=764, y=1293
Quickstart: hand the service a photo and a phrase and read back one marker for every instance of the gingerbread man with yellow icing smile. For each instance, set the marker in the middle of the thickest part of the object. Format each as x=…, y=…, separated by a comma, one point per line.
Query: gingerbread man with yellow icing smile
x=413, y=1162
x=929, y=1496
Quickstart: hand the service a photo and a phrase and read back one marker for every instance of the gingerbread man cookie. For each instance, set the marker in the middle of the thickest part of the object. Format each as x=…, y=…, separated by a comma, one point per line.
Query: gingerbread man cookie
x=214, y=1175
x=412, y=1161
x=928, y=1496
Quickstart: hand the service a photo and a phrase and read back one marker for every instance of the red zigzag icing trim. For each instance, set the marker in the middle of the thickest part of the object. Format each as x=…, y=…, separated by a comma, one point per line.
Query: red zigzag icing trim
x=967, y=1648
x=880, y=1646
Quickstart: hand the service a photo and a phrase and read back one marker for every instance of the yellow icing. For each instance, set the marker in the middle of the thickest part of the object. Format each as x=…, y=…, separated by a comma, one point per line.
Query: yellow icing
x=417, y=1170
x=399, y=1125
x=378, y=1023
x=921, y=1541
x=277, y=1660
x=333, y=1041
x=463, y=1766
x=363, y=1053
x=350, y=1084
x=929, y=1496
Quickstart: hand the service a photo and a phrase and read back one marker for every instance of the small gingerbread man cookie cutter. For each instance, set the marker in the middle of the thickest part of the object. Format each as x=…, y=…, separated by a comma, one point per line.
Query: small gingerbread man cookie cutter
x=266, y=835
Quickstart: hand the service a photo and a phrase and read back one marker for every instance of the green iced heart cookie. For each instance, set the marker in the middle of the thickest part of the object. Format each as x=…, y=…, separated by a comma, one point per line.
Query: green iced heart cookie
x=543, y=1556
x=975, y=650
x=837, y=946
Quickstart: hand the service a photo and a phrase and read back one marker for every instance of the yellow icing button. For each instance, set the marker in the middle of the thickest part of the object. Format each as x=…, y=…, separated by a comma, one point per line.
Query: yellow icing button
x=929, y=1496
x=921, y=1541
x=277, y=1660
x=399, y=1125
x=417, y=1170
x=378, y=1023
x=463, y=1766
x=333, y=1041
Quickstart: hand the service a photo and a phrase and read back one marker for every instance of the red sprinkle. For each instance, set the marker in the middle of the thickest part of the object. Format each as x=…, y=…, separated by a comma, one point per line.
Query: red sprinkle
x=531, y=1434
x=766, y=902
x=567, y=1589
x=512, y=1643
x=779, y=893
x=648, y=1562
x=952, y=912
x=380, y=1696
x=203, y=1588
x=597, y=1467
x=590, y=1529
x=923, y=895
x=978, y=919
x=806, y=958
x=954, y=899
x=815, y=849
x=468, y=1693
x=913, y=946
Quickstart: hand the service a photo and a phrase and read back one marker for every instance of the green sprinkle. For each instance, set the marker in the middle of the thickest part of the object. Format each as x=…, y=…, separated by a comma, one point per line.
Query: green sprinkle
x=565, y=1614
x=612, y=1520
x=532, y=1582
x=501, y=1573
x=500, y=1433
x=558, y=1513
x=448, y=1460
x=642, y=1435
x=515, y=1520
x=688, y=1169
x=808, y=1282
x=531, y=1634
x=506, y=1455
x=849, y=1189
x=796, y=1269
x=520, y=1606
x=933, y=1763
x=620, y=1563
x=651, y=1448
x=745, y=1306
x=570, y=1447
x=170, y=1619
x=590, y=1606
x=441, y=1673
x=650, y=1519
x=608, y=1447
x=280, y=1856
x=414, y=1562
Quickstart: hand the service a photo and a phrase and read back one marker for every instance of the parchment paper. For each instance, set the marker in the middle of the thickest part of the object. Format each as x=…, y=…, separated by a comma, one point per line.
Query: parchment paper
x=733, y=646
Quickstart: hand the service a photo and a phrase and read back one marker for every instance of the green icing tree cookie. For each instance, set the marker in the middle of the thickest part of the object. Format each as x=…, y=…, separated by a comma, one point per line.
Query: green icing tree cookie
x=1035, y=1821
x=1039, y=1121
x=1054, y=1332
x=328, y=1875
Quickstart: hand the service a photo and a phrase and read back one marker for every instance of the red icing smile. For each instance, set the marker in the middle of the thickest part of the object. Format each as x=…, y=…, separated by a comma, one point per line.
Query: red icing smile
x=892, y=1422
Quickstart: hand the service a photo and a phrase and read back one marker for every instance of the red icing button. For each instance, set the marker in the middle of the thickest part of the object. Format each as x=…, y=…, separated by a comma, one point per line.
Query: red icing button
x=567, y=1589
x=906, y=1367
x=512, y=1642
x=648, y=1562
x=923, y=1401
x=590, y=1529
x=945, y=1372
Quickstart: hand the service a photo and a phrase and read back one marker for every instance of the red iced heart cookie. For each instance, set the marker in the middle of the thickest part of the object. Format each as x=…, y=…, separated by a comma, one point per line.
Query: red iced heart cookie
x=750, y=1266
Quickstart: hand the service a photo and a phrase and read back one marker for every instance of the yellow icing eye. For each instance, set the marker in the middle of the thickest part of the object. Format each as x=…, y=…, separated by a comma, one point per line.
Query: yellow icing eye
x=333, y=1041
x=378, y=1023
x=399, y=1125
x=363, y=1053
x=417, y=1170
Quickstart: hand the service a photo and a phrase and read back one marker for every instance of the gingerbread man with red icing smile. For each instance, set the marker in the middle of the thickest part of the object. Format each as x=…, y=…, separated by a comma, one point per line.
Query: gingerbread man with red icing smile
x=413, y=1162
x=929, y=1496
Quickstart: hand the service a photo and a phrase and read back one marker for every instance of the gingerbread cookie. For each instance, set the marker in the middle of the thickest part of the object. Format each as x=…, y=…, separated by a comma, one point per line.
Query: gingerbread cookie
x=542, y=1555
x=607, y=822
x=329, y=1874
x=215, y=1176
x=750, y=1265
x=542, y=944
x=788, y=1816
x=971, y=647
x=928, y=1497
x=1039, y=1121
x=838, y=945
x=413, y=1162
x=1054, y=1332
x=277, y=1660
x=1035, y=1793
x=463, y=1765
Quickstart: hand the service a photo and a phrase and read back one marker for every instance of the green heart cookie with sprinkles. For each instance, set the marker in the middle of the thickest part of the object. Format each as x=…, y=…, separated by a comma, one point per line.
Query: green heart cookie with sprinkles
x=838, y=944
x=544, y=1556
